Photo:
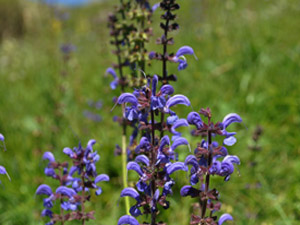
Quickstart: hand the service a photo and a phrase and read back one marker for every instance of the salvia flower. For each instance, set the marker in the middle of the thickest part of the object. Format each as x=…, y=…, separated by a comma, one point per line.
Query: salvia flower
x=115, y=82
x=75, y=184
x=179, y=56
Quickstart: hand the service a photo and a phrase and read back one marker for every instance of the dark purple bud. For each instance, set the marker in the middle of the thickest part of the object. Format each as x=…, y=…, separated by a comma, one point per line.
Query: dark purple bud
x=49, y=156
x=43, y=189
x=167, y=89
x=101, y=177
x=188, y=190
x=231, y=118
x=179, y=141
x=134, y=211
x=128, y=220
x=178, y=99
x=179, y=123
x=136, y=167
x=131, y=192
x=142, y=159
x=224, y=218
x=128, y=98
x=176, y=166
x=65, y=191
x=112, y=72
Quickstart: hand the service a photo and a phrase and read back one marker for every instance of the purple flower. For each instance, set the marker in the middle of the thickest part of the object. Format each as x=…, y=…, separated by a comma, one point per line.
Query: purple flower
x=1, y=137
x=188, y=190
x=65, y=191
x=142, y=159
x=128, y=220
x=47, y=212
x=131, y=192
x=229, y=119
x=155, y=6
x=195, y=119
x=175, y=100
x=49, y=156
x=128, y=98
x=67, y=48
x=115, y=82
x=179, y=56
x=224, y=218
x=176, y=166
x=136, y=167
x=178, y=123
x=43, y=189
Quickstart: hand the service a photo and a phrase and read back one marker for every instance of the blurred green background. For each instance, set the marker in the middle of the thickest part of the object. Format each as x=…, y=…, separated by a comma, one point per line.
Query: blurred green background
x=248, y=62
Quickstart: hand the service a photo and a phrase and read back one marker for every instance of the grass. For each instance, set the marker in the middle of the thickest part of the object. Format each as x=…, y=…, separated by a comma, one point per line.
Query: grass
x=249, y=53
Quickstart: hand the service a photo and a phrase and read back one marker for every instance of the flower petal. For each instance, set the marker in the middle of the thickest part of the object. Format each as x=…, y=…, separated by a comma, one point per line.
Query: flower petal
x=195, y=119
x=179, y=123
x=136, y=167
x=229, y=141
x=65, y=191
x=191, y=160
x=179, y=141
x=128, y=220
x=189, y=190
x=131, y=192
x=112, y=72
x=185, y=50
x=167, y=89
x=142, y=159
x=43, y=189
x=1, y=137
x=231, y=118
x=101, y=177
x=178, y=99
x=176, y=166
x=49, y=156
x=224, y=217
x=127, y=98
x=232, y=159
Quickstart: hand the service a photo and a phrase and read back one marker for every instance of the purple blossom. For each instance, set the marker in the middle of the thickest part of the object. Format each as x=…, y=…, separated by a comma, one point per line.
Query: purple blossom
x=179, y=56
x=175, y=100
x=49, y=156
x=113, y=73
x=128, y=220
x=224, y=218
x=43, y=189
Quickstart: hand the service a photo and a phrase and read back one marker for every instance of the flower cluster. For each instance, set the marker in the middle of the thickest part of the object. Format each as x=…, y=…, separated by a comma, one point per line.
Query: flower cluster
x=75, y=184
x=155, y=158
x=206, y=162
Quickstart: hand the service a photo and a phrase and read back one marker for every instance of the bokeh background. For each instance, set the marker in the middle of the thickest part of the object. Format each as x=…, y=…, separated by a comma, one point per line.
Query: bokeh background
x=248, y=62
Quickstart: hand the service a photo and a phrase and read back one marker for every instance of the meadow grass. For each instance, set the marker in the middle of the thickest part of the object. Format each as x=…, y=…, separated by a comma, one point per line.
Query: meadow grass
x=248, y=62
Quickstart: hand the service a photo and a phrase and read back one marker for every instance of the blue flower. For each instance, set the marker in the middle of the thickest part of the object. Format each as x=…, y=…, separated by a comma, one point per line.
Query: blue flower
x=115, y=82
x=180, y=59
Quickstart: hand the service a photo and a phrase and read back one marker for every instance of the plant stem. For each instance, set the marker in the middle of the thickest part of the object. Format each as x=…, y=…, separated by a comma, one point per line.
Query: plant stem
x=124, y=171
x=61, y=200
x=153, y=157
x=207, y=178
x=82, y=195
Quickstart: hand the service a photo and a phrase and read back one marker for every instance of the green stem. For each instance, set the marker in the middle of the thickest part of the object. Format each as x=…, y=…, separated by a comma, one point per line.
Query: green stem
x=124, y=171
